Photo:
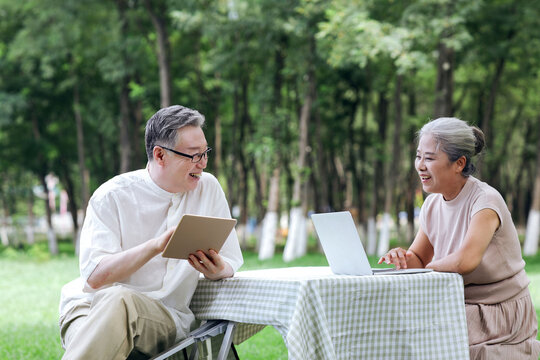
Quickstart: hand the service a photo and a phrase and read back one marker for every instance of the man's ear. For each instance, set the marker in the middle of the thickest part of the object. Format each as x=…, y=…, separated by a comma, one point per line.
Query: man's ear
x=159, y=155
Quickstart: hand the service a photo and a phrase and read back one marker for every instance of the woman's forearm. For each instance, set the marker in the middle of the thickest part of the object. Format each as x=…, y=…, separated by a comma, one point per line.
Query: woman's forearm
x=414, y=262
x=455, y=262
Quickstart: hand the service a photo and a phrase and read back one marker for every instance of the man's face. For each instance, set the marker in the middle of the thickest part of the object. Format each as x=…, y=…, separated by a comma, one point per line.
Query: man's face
x=183, y=174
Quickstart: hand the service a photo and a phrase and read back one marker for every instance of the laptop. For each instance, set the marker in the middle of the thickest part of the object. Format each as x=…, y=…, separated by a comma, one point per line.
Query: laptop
x=343, y=248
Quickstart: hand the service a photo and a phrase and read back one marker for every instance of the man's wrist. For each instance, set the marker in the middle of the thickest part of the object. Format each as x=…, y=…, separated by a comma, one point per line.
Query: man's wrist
x=227, y=272
x=154, y=247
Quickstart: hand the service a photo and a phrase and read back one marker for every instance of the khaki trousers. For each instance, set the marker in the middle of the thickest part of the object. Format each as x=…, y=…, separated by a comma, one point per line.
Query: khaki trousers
x=119, y=323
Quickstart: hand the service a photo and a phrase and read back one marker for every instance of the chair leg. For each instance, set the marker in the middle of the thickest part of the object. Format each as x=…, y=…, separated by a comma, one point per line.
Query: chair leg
x=227, y=341
x=195, y=352
x=173, y=350
x=205, y=332
x=235, y=353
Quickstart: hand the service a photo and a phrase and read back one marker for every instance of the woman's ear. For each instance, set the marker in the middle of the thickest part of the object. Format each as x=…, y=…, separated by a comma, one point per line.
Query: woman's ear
x=460, y=164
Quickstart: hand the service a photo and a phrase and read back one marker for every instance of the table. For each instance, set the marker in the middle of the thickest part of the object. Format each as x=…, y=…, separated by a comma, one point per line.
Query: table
x=325, y=316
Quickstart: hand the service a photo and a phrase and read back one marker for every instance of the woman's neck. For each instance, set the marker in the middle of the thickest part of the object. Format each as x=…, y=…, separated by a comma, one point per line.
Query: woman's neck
x=453, y=192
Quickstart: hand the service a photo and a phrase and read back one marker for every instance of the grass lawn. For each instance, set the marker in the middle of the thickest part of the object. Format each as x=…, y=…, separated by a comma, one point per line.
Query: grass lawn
x=30, y=285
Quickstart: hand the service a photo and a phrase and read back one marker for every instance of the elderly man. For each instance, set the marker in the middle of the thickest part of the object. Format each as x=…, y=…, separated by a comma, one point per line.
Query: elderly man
x=129, y=300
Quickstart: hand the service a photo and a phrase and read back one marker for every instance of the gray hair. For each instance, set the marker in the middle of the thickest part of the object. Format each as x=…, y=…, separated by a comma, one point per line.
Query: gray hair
x=161, y=128
x=456, y=138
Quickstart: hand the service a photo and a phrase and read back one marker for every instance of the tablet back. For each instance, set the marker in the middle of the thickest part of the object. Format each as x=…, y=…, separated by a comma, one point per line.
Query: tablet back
x=197, y=232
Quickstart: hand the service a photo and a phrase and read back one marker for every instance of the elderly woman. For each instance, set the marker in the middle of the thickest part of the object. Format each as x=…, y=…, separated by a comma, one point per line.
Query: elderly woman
x=466, y=227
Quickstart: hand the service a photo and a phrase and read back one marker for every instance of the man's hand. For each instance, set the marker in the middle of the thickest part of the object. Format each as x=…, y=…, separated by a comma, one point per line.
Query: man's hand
x=162, y=240
x=211, y=265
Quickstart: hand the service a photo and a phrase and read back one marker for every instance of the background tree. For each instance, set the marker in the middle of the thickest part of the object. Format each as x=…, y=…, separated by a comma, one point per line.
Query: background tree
x=310, y=105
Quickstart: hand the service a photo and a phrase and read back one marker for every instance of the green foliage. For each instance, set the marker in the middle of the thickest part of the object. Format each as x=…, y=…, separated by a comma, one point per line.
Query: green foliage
x=245, y=63
x=9, y=253
x=39, y=252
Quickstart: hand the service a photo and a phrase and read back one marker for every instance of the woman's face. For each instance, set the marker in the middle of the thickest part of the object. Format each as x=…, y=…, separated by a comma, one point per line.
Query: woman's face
x=437, y=173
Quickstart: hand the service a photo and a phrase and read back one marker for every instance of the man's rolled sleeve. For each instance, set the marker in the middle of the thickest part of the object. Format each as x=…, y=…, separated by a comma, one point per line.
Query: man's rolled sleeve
x=100, y=236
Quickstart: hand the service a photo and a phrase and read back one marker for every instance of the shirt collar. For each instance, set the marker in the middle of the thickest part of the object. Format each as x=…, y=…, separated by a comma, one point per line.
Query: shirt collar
x=155, y=187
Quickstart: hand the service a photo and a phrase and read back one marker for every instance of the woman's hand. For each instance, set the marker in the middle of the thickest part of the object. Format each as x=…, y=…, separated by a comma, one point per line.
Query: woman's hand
x=211, y=265
x=398, y=257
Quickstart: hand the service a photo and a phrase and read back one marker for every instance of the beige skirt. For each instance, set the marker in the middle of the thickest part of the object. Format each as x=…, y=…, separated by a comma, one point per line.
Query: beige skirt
x=506, y=330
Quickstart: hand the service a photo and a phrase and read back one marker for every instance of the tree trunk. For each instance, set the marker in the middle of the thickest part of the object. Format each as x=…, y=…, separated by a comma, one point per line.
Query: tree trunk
x=413, y=176
x=390, y=183
x=138, y=159
x=313, y=184
x=124, y=125
x=271, y=217
x=243, y=170
x=340, y=183
x=30, y=235
x=67, y=181
x=83, y=172
x=522, y=192
x=232, y=178
x=243, y=165
x=445, y=81
x=217, y=145
x=532, y=236
x=247, y=125
x=296, y=245
x=125, y=146
x=159, y=21
x=259, y=188
x=270, y=222
x=352, y=153
x=361, y=181
x=321, y=181
x=51, y=236
x=4, y=221
x=489, y=110
x=412, y=185
x=501, y=154
x=218, y=137
x=382, y=119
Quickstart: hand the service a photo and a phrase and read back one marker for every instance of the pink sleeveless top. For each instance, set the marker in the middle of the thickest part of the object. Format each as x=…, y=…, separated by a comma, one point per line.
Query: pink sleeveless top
x=500, y=275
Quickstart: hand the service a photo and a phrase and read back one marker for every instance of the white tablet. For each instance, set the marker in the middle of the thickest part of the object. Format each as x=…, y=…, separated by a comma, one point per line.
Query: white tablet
x=197, y=232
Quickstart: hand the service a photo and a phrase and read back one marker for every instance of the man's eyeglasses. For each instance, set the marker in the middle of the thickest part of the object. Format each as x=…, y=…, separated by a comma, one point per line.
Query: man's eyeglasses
x=195, y=158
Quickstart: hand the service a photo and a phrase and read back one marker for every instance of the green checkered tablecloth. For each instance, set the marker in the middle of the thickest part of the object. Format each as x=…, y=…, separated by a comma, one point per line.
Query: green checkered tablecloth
x=326, y=316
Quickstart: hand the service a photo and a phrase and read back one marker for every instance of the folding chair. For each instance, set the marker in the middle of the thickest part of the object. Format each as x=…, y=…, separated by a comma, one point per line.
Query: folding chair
x=206, y=331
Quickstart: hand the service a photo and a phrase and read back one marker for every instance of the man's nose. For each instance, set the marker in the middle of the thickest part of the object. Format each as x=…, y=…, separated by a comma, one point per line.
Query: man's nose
x=202, y=164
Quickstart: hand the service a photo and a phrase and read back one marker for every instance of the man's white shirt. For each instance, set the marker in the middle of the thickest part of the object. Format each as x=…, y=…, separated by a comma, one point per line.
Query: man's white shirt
x=130, y=209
